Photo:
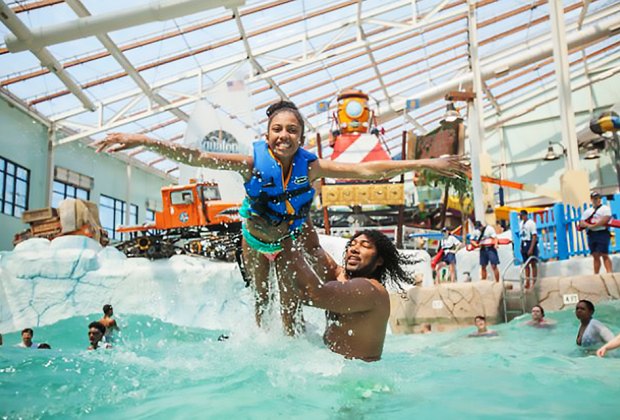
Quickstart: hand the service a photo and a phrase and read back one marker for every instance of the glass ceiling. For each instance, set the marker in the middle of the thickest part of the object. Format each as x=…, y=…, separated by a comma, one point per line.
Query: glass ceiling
x=146, y=78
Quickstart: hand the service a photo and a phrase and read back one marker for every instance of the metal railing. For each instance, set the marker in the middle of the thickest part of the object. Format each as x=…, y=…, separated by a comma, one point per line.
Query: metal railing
x=521, y=280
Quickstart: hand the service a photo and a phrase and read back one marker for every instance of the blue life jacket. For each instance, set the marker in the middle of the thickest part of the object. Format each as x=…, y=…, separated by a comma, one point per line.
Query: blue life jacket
x=267, y=194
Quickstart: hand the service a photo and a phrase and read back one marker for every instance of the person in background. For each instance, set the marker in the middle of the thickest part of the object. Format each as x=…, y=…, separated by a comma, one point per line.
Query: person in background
x=529, y=247
x=595, y=221
x=591, y=331
x=27, y=334
x=426, y=328
x=0, y=339
x=44, y=346
x=538, y=318
x=96, y=331
x=109, y=323
x=481, y=328
x=449, y=244
x=485, y=238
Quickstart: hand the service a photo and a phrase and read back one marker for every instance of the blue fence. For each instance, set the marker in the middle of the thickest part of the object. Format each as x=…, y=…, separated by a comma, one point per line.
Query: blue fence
x=558, y=237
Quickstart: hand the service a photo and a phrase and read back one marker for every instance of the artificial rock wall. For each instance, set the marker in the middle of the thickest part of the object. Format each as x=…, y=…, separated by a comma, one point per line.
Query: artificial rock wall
x=453, y=305
x=558, y=293
x=446, y=306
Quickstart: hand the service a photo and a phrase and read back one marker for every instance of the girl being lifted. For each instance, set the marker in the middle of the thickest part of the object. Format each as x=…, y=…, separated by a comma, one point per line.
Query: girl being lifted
x=278, y=182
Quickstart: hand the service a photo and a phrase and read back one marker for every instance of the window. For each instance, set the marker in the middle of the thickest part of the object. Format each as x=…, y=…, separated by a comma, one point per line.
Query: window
x=63, y=190
x=112, y=214
x=150, y=215
x=182, y=197
x=210, y=193
x=14, y=187
x=73, y=178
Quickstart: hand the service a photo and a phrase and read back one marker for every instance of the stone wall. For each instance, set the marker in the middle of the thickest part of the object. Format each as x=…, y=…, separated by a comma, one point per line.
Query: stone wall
x=557, y=293
x=454, y=305
x=446, y=306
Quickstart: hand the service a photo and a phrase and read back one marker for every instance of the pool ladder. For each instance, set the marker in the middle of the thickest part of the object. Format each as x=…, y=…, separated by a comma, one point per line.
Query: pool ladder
x=521, y=297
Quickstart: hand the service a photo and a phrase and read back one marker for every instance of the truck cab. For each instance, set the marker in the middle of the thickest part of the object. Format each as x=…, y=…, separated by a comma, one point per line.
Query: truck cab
x=194, y=204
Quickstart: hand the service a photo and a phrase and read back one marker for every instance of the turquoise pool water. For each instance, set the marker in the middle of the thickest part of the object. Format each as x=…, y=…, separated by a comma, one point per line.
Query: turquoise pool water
x=160, y=370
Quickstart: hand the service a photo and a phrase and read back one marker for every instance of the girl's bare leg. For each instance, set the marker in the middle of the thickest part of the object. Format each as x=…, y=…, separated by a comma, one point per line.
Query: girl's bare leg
x=257, y=268
x=290, y=303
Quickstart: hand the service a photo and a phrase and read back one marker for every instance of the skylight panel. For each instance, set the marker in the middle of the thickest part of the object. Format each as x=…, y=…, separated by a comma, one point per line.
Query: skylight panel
x=396, y=15
x=12, y=65
x=37, y=87
x=57, y=105
x=94, y=70
x=166, y=165
x=268, y=38
x=169, y=131
x=45, y=16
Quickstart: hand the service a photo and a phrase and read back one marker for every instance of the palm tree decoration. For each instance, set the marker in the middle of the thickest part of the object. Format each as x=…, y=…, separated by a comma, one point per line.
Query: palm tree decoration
x=460, y=185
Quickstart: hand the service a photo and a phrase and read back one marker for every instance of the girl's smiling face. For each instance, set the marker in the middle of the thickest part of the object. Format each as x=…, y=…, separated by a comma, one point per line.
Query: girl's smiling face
x=284, y=136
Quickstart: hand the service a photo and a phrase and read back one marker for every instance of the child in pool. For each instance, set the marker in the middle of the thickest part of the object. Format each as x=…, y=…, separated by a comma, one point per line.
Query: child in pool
x=481, y=328
x=278, y=182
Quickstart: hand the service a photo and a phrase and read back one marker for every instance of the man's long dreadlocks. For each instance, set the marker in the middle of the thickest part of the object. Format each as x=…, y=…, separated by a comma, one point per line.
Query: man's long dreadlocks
x=391, y=270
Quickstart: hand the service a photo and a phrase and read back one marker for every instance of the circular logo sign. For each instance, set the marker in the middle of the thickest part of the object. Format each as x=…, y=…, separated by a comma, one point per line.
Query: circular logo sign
x=184, y=217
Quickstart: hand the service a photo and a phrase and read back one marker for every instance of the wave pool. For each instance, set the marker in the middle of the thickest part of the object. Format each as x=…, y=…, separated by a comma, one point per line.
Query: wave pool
x=168, y=362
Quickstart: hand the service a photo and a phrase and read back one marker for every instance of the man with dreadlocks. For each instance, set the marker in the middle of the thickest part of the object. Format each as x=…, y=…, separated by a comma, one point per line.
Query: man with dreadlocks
x=354, y=295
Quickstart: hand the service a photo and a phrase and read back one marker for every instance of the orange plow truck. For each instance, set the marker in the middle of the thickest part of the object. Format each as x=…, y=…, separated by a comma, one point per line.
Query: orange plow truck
x=194, y=220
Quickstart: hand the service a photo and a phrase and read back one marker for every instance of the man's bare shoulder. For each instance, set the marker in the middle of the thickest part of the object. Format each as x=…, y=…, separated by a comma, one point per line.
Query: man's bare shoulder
x=108, y=322
x=369, y=286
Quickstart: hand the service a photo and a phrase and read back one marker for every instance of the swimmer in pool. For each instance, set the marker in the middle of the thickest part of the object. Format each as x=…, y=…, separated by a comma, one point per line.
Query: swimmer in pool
x=591, y=331
x=538, y=318
x=96, y=331
x=27, y=343
x=110, y=324
x=482, y=330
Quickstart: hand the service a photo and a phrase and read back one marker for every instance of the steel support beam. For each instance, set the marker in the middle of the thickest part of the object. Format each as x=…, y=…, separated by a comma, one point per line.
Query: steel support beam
x=547, y=90
x=257, y=66
x=583, y=13
x=475, y=112
x=128, y=171
x=81, y=11
x=35, y=5
x=20, y=32
x=419, y=26
x=262, y=51
x=562, y=72
x=49, y=181
x=112, y=21
x=594, y=33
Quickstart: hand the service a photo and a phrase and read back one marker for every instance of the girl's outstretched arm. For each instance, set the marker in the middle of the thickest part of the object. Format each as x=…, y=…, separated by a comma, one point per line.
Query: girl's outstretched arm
x=385, y=169
x=115, y=142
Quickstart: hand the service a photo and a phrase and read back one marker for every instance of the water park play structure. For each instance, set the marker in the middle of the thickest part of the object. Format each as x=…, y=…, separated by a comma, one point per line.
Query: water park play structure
x=355, y=137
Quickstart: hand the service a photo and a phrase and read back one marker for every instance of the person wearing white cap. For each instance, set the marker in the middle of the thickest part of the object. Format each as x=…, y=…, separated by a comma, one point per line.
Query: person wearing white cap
x=595, y=221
